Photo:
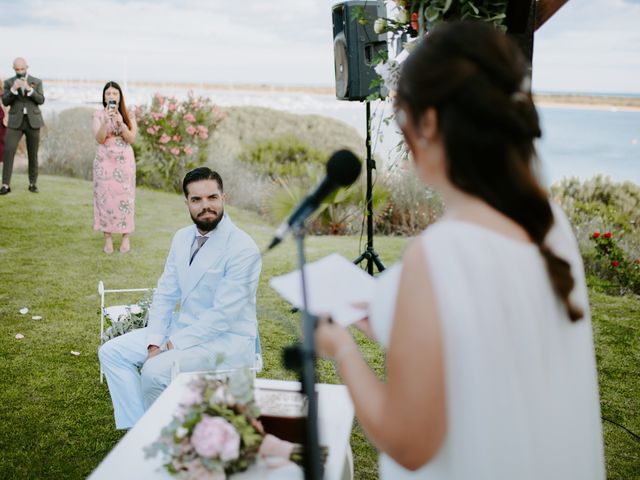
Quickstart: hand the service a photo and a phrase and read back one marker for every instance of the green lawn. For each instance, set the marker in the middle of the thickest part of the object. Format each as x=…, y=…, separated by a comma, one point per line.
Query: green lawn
x=55, y=417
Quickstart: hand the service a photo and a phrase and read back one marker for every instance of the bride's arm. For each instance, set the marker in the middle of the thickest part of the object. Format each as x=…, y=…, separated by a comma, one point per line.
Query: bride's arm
x=406, y=416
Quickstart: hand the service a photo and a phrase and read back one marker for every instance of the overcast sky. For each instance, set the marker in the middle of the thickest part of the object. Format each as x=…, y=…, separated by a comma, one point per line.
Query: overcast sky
x=589, y=46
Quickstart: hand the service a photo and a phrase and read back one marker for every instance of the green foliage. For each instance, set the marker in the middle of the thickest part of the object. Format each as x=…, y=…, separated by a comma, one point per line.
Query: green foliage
x=136, y=316
x=284, y=157
x=173, y=138
x=58, y=420
x=411, y=207
x=602, y=205
x=68, y=146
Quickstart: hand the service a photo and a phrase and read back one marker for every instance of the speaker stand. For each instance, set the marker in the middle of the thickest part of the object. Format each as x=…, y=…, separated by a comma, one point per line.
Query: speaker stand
x=370, y=254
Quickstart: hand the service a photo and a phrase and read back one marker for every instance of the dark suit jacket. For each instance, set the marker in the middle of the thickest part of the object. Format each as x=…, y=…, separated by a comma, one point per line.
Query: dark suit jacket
x=21, y=101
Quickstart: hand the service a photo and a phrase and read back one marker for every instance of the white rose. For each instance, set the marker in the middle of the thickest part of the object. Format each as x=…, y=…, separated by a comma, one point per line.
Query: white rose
x=380, y=26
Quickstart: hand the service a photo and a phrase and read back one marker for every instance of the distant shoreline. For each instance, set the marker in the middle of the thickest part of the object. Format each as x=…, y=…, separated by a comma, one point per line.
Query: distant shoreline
x=564, y=100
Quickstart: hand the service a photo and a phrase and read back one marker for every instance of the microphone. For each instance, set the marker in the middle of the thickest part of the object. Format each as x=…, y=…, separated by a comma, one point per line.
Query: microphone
x=343, y=168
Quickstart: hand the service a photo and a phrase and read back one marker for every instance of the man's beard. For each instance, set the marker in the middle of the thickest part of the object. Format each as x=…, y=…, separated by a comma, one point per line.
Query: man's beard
x=207, y=225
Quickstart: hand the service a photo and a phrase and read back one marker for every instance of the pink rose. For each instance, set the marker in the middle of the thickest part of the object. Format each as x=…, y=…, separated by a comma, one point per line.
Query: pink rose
x=191, y=130
x=175, y=151
x=189, y=117
x=214, y=436
x=177, y=138
x=188, y=150
x=164, y=138
x=151, y=131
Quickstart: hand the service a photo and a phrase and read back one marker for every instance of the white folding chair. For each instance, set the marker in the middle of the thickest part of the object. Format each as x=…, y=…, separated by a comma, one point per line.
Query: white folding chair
x=113, y=312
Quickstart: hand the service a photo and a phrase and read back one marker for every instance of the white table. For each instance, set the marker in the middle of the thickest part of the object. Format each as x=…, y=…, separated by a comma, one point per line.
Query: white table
x=335, y=418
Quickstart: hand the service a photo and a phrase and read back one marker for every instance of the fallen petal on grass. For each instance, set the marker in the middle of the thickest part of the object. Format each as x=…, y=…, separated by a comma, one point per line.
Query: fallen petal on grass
x=75, y=353
x=19, y=336
x=36, y=317
x=24, y=310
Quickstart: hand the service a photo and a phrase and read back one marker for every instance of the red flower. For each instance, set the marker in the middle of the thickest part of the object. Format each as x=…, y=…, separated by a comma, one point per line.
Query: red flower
x=414, y=21
x=596, y=234
x=615, y=263
x=608, y=235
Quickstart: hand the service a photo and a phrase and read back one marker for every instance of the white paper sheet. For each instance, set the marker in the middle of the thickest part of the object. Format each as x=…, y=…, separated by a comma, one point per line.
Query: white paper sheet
x=333, y=285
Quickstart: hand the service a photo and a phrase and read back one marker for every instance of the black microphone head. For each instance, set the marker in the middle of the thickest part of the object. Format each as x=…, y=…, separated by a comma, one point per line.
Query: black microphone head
x=343, y=168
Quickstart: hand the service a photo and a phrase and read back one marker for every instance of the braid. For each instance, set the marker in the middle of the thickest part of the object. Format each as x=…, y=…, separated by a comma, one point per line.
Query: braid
x=474, y=79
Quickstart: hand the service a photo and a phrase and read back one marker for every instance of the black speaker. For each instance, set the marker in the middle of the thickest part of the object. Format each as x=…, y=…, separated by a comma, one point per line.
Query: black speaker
x=355, y=47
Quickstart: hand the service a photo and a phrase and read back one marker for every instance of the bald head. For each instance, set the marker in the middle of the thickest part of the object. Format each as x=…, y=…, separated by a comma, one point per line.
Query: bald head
x=20, y=66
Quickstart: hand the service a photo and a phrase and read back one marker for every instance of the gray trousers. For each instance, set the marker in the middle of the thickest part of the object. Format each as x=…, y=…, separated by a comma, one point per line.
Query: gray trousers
x=11, y=140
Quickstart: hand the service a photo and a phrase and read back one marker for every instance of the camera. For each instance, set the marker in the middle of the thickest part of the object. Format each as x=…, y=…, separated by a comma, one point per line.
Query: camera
x=111, y=104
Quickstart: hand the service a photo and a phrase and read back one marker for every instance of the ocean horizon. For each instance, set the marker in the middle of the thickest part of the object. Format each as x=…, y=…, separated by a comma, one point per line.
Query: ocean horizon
x=576, y=142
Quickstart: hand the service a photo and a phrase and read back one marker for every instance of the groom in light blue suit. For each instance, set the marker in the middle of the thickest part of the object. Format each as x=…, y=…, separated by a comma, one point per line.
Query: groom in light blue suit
x=212, y=273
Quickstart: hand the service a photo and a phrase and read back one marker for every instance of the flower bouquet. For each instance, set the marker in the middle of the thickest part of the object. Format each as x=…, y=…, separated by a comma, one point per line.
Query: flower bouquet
x=218, y=432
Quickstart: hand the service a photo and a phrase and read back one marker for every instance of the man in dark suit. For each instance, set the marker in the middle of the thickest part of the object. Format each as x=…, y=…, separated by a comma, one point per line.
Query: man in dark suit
x=23, y=93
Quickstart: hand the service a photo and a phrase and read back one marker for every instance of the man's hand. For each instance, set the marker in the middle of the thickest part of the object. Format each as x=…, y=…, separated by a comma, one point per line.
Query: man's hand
x=152, y=351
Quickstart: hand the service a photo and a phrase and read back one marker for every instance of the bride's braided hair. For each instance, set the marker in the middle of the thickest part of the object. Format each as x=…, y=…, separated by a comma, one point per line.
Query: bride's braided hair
x=477, y=80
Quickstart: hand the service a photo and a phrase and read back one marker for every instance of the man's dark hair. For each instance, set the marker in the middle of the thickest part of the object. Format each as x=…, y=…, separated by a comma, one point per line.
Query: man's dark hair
x=201, y=173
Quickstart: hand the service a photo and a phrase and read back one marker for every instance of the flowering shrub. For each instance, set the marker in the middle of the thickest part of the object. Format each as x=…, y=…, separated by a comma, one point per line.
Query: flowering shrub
x=218, y=433
x=615, y=264
x=174, y=138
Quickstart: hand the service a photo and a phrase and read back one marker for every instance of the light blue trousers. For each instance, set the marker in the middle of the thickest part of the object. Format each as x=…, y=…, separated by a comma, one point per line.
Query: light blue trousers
x=135, y=384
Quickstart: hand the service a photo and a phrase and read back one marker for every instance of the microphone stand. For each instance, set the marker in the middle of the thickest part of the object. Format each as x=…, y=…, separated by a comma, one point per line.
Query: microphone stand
x=301, y=358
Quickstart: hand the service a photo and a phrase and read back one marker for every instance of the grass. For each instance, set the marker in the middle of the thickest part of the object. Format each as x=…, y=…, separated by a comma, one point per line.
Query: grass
x=56, y=418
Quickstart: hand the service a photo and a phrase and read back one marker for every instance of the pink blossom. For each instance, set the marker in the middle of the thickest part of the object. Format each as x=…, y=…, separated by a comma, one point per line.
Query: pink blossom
x=156, y=128
x=151, y=131
x=175, y=150
x=163, y=148
x=214, y=436
x=191, y=130
x=188, y=150
x=189, y=117
x=159, y=98
x=177, y=138
x=172, y=107
x=165, y=138
x=203, y=135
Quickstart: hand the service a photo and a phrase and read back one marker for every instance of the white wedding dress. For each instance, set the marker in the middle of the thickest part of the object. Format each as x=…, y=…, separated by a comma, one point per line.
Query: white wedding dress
x=521, y=385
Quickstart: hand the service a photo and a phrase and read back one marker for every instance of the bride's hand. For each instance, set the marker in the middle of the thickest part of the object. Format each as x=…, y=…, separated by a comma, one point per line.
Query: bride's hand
x=331, y=338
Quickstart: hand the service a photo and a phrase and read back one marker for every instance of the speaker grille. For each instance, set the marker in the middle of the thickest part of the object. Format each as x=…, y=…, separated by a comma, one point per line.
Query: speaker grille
x=341, y=62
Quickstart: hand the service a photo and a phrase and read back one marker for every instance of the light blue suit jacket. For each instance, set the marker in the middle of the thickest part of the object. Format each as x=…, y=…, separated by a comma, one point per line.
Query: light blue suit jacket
x=216, y=295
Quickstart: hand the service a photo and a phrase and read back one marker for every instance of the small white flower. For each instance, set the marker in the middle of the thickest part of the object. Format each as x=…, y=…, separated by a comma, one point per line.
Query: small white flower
x=75, y=353
x=380, y=26
x=181, y=432
x=24, y=310
x=19, y=336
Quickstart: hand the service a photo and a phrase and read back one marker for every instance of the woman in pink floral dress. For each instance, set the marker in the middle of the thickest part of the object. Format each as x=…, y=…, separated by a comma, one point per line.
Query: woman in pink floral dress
x=114, y=169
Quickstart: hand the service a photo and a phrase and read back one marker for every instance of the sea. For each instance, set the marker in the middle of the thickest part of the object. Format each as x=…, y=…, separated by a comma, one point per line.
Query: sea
x=577, y=141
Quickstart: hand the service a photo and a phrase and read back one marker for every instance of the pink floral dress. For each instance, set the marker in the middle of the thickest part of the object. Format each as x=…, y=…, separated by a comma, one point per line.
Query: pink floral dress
x=114, y=183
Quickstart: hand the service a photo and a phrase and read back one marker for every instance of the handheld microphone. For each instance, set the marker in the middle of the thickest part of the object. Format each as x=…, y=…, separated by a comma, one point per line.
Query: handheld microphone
x=343, y=168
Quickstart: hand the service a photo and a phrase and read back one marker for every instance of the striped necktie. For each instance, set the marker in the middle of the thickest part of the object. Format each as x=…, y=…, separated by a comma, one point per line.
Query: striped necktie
x=201, y=240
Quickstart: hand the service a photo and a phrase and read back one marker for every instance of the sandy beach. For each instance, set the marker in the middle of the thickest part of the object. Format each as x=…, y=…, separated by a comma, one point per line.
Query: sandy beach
x=597, y=102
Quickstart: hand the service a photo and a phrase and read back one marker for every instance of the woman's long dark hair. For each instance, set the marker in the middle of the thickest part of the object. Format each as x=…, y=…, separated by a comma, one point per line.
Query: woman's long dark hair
x=477, y=80
x=122, y=108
